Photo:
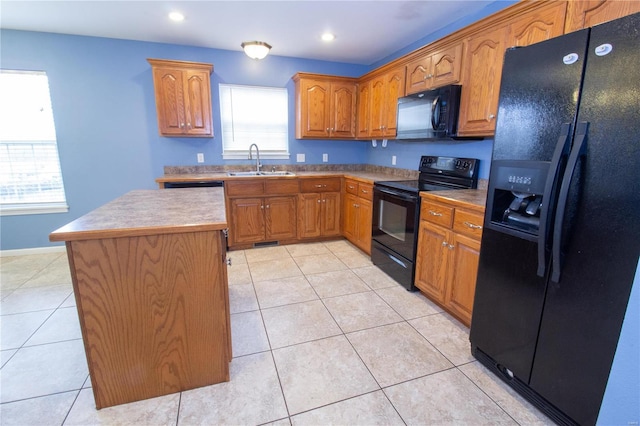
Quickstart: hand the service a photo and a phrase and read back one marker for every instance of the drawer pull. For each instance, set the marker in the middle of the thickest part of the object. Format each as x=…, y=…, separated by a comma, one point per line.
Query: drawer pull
x=318, y=186
x=432, y=213
x=352, y=187
x=365, y=191
x=472, y=226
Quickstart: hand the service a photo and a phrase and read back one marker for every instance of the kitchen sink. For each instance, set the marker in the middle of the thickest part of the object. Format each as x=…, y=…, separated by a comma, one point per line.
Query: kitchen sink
x=254, y=173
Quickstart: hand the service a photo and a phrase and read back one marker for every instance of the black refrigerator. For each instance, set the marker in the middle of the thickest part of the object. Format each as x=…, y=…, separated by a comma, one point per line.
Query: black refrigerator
x=561, y=235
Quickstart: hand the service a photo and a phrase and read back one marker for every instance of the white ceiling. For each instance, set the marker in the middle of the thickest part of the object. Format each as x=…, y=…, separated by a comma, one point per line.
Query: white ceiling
x=366, y=31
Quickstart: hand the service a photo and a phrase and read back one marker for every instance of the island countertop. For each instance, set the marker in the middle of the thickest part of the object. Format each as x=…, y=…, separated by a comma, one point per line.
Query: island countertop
x=150, y=212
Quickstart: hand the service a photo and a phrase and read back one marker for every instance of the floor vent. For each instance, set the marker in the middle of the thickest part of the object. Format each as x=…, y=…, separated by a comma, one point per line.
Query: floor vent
x=266, y=244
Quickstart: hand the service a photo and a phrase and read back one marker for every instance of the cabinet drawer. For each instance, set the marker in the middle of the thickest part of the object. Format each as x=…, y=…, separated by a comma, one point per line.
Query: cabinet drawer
x=351, y=187
x=320, y=185
x=437, y=213
x=244, y=187
x=281, y=186
x=365, y=191
x=467, y=223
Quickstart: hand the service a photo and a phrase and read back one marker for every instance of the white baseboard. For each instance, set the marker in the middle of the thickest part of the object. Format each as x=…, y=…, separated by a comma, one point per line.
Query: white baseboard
x=36, y=250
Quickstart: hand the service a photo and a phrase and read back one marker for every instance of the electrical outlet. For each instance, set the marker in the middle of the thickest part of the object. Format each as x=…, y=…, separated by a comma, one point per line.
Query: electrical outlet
x=200, y=157
x=393, y=160
x=300, y=158
x=325, y=158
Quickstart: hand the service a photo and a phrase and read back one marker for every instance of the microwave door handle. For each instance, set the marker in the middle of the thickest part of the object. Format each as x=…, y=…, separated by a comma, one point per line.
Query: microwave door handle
x=434, y=108
x=578, y=150
x=550, y=188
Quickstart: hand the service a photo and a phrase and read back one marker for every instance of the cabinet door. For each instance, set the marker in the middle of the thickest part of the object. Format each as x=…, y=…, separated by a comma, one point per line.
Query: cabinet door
x=587, y=13
x=309, y=208
x=343, y=110
x=462, y=276
x=364, y=104
x=330, y=214
x=280, y=218
x=431, y=263
x=314, y=110
x=376, y=112
x=482, y=73
x=198, y=103
x=394, y=89
x=418, y=75
x=169, y=88
x=537, y=26
x=247, y=219
x=350, y=217
x=363, y=236
x=447, y=66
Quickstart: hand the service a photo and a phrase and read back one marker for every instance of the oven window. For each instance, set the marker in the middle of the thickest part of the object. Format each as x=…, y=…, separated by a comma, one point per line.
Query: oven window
x=393, y=220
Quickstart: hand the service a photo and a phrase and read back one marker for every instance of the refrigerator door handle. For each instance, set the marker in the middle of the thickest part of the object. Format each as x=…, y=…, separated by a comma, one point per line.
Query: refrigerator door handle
x=579, y=149
x=562, y=149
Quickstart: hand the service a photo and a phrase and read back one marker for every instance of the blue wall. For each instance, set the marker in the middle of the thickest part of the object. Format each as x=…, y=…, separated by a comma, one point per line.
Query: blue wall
x=105, y=116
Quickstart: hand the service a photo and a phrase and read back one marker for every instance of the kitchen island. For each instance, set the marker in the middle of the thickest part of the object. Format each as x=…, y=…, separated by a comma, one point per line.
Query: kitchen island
x=150, y=282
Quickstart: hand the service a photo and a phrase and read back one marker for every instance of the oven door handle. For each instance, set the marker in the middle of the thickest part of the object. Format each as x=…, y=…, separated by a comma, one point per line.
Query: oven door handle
x=397, y=194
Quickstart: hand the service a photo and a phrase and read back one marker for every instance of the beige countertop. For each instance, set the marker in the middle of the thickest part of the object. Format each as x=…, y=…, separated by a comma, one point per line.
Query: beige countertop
x=473, y=199
x=150, y=212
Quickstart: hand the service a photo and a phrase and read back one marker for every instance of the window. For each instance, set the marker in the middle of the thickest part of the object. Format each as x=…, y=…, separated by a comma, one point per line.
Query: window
x=30, y=176
x=252, y=114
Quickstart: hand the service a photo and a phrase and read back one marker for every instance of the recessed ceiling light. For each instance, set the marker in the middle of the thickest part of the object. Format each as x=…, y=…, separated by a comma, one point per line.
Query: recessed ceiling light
x=328, y=37
x=176, y=16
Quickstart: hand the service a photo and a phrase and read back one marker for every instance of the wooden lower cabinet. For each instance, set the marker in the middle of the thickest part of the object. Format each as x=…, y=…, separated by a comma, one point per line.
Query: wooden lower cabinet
x=448, y=254
x=263, y=219
x=318, y=214
x=261, y=210
x=357, y=214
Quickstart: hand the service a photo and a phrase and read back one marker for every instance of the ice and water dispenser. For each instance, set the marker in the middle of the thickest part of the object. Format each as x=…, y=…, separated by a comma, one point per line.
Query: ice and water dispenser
x=515, y=197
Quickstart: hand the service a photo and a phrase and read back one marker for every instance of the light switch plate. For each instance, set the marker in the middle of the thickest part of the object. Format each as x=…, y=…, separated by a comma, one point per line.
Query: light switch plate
x=393, y=160
x=300, y=158
x=200, y=157
x=325, y=158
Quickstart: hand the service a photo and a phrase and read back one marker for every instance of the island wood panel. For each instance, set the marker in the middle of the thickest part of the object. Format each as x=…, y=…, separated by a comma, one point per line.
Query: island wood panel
x=154, y=313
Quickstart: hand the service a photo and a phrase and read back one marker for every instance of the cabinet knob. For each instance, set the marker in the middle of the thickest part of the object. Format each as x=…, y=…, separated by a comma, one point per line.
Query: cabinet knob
x=451, y=246
x=182, y=125
x=492, y=116
x=327, y=129
x=324, y=201
x=432, y=213
x=318, y=201
x=262, y=206
x=472, y=226
x=268, y=205
x=444, y=244
x=228, y=261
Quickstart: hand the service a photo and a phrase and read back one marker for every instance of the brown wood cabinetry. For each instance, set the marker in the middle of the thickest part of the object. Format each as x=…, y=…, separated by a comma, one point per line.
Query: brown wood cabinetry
x=481, y=82
x=261, y=210
x=385, y=91
x=325, y=107
x=183, y=97
x=435, y=69
x=357, y=213
x=363, y=109
x=587, y=13
x=319, y=208
x=448, y=254
x=538, y=25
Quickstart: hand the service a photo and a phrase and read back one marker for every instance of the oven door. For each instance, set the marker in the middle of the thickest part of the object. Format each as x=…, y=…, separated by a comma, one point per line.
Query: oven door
x=394, y=222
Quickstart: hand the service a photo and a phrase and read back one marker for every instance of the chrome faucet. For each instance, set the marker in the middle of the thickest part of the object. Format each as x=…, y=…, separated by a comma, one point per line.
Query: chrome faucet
x=258, y=165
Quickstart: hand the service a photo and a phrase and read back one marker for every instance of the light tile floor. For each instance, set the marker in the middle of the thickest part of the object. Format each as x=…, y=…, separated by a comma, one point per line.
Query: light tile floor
x=320, y=336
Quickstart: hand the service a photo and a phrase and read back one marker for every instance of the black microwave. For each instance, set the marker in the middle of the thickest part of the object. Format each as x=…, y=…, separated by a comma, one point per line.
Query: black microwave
x=432, y=114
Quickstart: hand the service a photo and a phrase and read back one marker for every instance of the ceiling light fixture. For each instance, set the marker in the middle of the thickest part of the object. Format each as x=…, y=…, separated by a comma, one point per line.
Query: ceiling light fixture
x=256, y=49
x=328, y=37
x=176, y=16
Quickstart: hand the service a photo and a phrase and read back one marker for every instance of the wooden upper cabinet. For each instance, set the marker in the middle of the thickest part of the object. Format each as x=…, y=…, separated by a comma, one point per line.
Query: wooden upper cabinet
x=481, y=82
x=539, y=25
x=587, y=13
x=325, y=107
x=363, y=109
x=183, y=97
x=435, y=69
x=385, y=91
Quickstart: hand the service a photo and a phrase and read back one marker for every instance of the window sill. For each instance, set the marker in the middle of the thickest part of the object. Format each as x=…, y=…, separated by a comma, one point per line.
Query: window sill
x=22, y=209
x=244, y=155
